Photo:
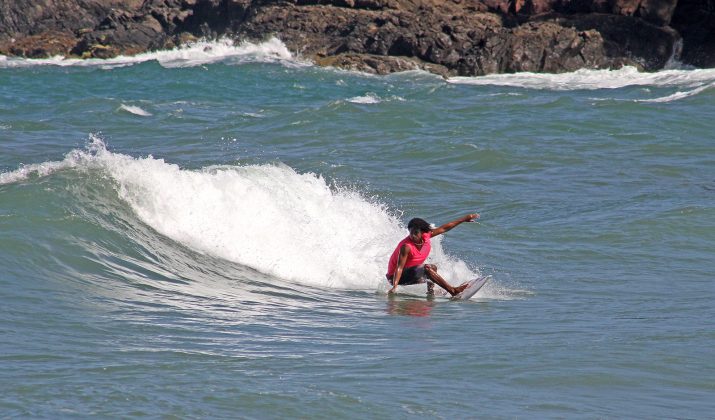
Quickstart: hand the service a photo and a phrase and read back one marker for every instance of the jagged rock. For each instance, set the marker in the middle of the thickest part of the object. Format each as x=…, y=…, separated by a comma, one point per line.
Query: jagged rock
x=658, y=12
x=378, y=64
x=45, y=44
x=122, y=32
x=695, y=20
x=465, y=37
x=468, y=44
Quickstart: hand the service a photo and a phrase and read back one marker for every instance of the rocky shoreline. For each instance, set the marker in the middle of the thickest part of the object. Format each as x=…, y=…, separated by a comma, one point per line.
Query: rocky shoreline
x=447, y=37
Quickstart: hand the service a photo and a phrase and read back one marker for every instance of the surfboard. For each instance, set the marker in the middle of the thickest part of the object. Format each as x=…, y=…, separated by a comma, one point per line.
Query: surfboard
x=472, y=288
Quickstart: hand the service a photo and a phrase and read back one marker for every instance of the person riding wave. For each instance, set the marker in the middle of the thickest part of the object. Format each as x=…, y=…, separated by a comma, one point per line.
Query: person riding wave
x=406, y=265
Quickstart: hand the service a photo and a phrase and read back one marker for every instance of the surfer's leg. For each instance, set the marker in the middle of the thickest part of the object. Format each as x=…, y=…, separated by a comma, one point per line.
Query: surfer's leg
x=431, y=271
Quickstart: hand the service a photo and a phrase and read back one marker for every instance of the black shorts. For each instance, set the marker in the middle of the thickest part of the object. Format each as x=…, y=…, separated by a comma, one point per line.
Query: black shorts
x=411, y=275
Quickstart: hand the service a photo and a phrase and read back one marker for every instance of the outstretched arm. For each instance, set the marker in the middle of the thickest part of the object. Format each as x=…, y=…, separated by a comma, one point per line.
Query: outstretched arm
x=451, y=225
x=401, y=261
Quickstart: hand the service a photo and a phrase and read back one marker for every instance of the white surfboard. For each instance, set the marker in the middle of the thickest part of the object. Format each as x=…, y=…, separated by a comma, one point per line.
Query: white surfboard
x=472, y=288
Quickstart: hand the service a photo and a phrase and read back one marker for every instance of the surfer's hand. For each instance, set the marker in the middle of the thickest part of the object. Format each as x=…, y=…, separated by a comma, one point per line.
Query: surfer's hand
x=472, y=217
x=391, y=291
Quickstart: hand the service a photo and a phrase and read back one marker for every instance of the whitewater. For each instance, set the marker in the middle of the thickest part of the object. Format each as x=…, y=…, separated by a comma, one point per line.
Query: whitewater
x=267, y=217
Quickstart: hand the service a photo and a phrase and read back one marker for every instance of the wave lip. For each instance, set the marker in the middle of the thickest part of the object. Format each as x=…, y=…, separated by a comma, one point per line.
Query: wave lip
x=36, y=169
x=133, y=109
x=679, y=95
x=190, y=55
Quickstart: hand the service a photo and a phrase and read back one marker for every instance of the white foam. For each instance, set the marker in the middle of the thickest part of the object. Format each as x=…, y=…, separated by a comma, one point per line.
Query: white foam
x=678, y=95
x=269, y=217
x=594, y=79
x=369, y=98
x=191, y=55
x=132, y=109
x=372, y=98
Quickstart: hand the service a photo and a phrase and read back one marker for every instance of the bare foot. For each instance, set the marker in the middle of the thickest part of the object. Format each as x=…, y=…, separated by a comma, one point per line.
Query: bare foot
x=459, y=289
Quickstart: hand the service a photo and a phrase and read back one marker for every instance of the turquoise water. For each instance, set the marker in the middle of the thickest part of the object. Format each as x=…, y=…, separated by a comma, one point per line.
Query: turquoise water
x=205, y=233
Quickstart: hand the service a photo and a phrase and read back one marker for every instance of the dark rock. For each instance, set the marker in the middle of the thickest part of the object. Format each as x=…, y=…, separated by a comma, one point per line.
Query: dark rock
x=695, y=20
x=647, y=46
x=659, y=12
x=465, y=37
x=45, y=44
x=378, y=64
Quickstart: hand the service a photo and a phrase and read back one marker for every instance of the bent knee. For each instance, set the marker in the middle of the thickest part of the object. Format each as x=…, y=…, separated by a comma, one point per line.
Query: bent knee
x=430, y=268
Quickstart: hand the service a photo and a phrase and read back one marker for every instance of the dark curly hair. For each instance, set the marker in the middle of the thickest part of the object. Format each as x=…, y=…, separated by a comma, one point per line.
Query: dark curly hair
x=420, y=224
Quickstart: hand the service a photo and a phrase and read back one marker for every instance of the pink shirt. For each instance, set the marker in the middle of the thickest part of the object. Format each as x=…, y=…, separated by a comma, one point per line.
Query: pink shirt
x=415, y=257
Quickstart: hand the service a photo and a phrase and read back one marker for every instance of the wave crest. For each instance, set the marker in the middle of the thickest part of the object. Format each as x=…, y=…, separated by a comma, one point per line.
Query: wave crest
x=290, y=225
x=594, y=79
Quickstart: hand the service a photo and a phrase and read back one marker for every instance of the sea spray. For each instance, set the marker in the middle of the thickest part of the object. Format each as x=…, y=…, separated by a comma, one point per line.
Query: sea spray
x=269, y=217
x=193, y=54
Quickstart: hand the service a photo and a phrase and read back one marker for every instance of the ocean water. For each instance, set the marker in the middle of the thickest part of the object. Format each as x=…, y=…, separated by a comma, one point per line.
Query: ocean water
x=203, y=233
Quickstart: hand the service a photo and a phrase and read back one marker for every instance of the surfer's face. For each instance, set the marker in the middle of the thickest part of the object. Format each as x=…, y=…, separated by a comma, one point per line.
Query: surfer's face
x=416, y=235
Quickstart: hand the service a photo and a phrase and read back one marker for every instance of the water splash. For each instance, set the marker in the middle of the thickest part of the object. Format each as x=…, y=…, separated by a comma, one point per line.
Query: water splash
x=190, y=55
x=594, y=79
x=290, y=225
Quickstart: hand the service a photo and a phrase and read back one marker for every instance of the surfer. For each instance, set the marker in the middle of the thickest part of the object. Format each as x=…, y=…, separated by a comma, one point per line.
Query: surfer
x=406, y=265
